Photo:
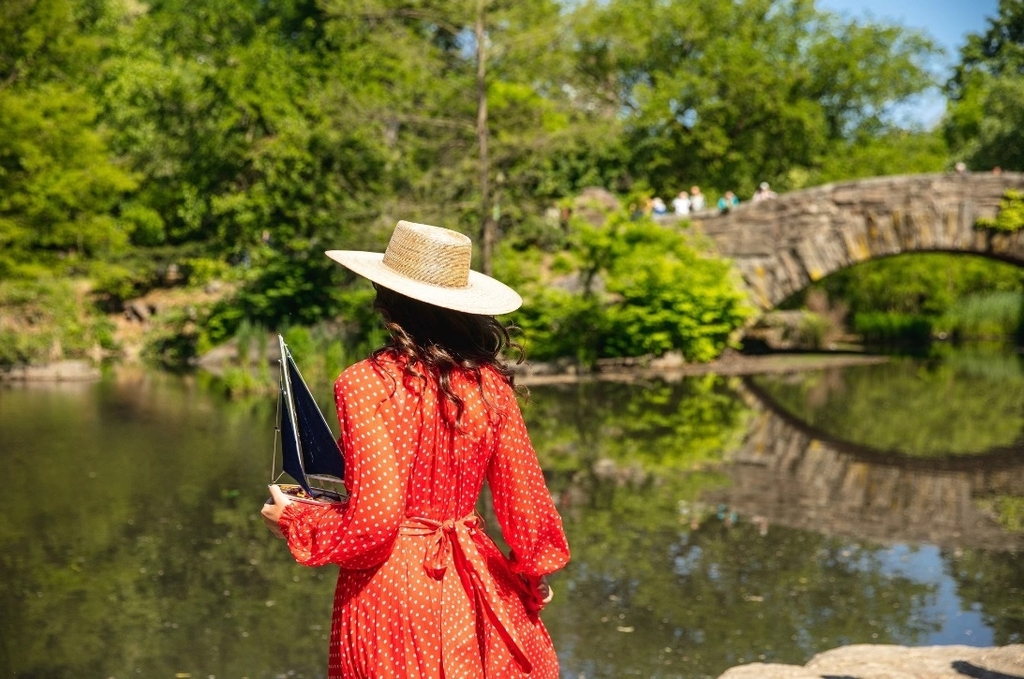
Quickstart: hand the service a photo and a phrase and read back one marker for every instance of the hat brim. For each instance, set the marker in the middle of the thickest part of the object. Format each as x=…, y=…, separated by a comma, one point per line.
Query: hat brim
x=482, y=295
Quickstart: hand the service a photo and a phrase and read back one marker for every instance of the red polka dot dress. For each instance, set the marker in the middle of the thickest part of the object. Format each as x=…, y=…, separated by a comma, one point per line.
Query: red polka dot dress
x=423, y=592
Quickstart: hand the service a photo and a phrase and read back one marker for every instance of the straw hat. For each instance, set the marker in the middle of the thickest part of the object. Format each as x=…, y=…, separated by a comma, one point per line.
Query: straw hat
x=431, y=264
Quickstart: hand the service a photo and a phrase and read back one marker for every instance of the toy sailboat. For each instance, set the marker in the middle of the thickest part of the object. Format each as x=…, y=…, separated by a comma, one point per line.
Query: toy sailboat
x=309, y=450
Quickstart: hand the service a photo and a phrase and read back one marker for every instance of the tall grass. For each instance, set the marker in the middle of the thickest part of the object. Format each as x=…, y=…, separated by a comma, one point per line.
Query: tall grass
x=987, y=315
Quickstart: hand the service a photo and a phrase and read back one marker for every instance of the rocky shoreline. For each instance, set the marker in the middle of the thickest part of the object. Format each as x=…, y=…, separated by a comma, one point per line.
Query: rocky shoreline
x=673, y=367
x=59, y=371
x=668, y=367
x=871, y=661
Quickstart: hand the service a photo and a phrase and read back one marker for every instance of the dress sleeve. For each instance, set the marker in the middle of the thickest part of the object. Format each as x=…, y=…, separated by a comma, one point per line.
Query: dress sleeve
x=529, y=521
x=361, y=532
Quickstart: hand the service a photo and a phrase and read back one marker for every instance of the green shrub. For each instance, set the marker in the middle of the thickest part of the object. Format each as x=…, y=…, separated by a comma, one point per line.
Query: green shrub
x=659, y=294
x=45, y=319
x=1010, y=217
x=556, y=324
x=145, y=225
x=813, y=330
x=893, y=328
x=667, y=295
x=113, y=283
x=202, y=270
x=176, y=340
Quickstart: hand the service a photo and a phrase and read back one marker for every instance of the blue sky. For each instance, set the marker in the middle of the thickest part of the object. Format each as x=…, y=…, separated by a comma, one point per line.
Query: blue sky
x=946, y=21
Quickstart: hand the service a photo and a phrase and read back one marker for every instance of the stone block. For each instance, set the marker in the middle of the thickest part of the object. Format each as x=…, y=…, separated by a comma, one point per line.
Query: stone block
x=853, y=232
x=769, y=671
x=923, y=227
x=811, y=260
x=881, y=235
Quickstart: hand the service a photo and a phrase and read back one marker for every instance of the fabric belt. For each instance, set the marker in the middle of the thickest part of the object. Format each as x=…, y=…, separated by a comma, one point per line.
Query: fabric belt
x=454, y=542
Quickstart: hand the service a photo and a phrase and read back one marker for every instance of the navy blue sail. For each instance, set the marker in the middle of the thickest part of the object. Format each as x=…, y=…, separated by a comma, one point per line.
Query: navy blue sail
x=308, y=446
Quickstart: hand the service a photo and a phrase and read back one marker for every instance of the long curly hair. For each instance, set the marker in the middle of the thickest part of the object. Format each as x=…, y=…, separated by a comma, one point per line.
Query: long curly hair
x=438, y=341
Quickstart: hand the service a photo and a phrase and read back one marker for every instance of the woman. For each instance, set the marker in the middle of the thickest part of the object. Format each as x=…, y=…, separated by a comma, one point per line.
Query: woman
x=422, y=591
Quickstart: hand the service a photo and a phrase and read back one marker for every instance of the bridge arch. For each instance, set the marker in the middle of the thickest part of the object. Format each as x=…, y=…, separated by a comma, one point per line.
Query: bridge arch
x=781, y=246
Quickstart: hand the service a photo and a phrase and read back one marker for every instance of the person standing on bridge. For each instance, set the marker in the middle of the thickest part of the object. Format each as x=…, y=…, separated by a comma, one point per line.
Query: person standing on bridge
x=697, y=201
x=728, y=202
x=681, y=204
x=764, y=192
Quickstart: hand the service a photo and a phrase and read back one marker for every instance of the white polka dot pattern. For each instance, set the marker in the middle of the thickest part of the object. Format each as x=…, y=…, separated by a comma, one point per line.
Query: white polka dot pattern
x=422, y=591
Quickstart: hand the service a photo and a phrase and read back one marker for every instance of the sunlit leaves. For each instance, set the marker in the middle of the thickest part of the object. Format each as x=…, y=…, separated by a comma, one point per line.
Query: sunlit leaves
x=984, y=120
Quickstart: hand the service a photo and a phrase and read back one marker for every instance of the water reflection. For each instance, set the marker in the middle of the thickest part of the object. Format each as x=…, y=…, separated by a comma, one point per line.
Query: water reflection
x=964, y=402
x=792, y=475
x=710, y=526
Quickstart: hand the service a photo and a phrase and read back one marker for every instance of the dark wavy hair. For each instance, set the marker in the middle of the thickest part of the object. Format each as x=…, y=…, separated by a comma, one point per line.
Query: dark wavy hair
x=439, y=341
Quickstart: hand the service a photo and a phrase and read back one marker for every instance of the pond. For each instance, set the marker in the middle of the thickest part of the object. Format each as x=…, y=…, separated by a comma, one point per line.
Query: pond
x=713, y=522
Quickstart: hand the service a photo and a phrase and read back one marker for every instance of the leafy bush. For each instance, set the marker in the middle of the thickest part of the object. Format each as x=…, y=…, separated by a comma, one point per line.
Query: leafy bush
x=177, y=340
x=202, y=270
x=556, y=323
x=114, y=283
x=660, y=294
x=813, y=330
x=144, y=224
x=45, y=319
x=669, y=296
x=1010, y=217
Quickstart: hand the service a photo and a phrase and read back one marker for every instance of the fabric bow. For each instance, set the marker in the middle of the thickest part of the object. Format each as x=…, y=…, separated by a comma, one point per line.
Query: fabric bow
x=453, y=542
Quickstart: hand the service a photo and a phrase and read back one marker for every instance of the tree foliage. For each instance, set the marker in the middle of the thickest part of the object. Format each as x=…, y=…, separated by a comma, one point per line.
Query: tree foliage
x=59, y=186
x=985, y=117
x=256, y=135
x=730, y=93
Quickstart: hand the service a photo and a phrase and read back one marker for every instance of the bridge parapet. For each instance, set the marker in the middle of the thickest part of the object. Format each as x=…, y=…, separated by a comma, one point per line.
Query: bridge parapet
x=780, y=246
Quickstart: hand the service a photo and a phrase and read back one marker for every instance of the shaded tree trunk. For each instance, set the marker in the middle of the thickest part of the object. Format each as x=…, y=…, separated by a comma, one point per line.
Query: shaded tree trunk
x=488, y=227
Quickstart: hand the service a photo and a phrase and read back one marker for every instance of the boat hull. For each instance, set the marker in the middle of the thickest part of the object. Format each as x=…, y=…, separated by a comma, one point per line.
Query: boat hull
x=320, y=496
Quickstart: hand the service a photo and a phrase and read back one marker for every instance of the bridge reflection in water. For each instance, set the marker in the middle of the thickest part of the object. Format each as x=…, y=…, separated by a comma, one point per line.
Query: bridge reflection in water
x=794, y=475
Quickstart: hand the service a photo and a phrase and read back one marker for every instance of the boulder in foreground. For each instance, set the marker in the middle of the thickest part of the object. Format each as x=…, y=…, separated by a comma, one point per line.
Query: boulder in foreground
x=868, y=661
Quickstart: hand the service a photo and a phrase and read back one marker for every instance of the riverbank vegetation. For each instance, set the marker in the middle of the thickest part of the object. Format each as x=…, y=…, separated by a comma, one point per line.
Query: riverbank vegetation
x=909, y=300
x=182, y=168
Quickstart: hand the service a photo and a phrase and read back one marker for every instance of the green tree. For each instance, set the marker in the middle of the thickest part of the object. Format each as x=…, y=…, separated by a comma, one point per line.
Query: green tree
x=59, y=184
x=730, y=93
x=985, y=116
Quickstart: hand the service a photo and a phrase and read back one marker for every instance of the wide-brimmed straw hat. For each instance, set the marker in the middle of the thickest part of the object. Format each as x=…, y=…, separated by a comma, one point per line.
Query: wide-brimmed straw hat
x=431, y=264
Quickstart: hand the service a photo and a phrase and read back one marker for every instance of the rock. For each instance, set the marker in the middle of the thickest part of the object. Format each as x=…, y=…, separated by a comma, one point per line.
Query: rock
x=217, y=359
x=137, y=311
x=594, y=204
x=870, y=661
x=672, y=360
x=59, y=371
x=769, y=671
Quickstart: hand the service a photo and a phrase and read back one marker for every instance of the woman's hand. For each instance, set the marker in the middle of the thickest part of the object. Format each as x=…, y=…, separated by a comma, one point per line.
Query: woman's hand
x=544, y=592
x=539, y=593
x=272, y=513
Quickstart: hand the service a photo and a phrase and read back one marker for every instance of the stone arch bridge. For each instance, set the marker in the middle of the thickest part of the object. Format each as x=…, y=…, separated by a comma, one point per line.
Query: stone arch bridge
x=780, y=246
